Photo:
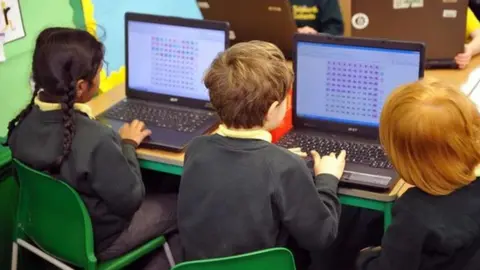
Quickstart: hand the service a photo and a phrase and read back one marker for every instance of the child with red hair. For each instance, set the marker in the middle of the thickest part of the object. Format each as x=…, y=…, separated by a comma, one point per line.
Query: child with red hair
x=431, y=133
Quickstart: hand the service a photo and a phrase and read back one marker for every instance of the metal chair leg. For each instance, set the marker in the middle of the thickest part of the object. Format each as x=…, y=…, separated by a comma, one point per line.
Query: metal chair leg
x=44, y=255
x=14, y=256
x=169, y=254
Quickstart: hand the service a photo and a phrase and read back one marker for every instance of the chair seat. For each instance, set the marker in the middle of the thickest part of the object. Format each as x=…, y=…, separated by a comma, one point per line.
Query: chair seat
x=60, y=225
x=134, y=255
x=267, y=259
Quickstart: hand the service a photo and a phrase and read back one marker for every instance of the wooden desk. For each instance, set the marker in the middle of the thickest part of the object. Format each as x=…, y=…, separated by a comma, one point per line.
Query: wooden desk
x=103, y=102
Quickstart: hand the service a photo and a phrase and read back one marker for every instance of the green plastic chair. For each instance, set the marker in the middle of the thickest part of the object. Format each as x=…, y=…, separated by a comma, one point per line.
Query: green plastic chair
x=52, y=215
x=268, y=259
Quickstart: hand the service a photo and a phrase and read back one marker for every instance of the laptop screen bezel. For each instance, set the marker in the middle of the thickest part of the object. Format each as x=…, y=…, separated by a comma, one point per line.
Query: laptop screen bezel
x=175, y=21
x=370, y=132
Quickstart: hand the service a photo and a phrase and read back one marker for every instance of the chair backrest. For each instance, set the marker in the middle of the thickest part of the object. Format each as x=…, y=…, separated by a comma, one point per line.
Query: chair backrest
x=54, y=217
x=268, y=259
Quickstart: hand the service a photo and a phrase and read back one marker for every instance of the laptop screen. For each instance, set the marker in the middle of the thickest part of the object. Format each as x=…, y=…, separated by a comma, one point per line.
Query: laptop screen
x=349, y=84
x=171, y=60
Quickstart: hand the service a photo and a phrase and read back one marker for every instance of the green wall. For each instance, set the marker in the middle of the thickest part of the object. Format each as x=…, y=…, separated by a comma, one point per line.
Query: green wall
x=14, y=73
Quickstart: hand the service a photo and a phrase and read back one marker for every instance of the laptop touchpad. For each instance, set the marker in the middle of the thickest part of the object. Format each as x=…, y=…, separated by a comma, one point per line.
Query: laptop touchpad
x=362, y=178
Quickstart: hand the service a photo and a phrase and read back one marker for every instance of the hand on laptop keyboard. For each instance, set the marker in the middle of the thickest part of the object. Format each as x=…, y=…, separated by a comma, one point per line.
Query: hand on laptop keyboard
x=136, y=131
x=366, y=154
x=329, y=164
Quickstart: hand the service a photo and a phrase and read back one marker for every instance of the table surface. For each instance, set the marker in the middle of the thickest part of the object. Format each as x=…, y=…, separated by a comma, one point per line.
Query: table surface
x=106, y=100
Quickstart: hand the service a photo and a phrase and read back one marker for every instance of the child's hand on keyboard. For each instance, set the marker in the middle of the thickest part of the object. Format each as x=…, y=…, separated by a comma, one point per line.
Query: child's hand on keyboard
x=298, y=151
x=135, y=131
x=329, y=164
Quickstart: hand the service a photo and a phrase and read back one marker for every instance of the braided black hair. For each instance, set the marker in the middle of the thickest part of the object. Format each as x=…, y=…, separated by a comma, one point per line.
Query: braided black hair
x=62, y=58
x=67, y=102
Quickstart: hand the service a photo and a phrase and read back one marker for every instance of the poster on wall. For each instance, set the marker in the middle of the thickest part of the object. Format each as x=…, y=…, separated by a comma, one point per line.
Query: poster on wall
x=11, y=23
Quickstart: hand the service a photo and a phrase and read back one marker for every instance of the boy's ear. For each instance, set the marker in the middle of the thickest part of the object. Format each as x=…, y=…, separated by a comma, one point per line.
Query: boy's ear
x=271, y=110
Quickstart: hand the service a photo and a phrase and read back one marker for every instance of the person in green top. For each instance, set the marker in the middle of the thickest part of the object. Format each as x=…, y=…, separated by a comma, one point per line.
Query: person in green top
x=317, y=16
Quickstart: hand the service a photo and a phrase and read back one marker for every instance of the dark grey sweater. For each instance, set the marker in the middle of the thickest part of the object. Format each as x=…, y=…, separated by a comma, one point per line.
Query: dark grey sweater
x=431, y=233
x=242, y=195
x=103, y=170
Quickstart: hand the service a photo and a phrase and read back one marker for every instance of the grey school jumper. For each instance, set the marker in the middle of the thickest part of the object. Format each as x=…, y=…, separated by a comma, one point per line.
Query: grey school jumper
x=242, y=195
x=102, y=169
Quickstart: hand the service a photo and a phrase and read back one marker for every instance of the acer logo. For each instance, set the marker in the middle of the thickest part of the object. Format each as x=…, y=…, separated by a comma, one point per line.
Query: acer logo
x=172, y=99
x=352, y=129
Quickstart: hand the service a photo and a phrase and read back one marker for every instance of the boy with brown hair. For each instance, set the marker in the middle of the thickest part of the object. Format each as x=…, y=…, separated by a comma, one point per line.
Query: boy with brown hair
x=239, y=192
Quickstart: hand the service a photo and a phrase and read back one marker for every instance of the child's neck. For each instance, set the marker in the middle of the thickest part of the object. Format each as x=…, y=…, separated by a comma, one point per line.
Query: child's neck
x=242, y=133
x=257, y=128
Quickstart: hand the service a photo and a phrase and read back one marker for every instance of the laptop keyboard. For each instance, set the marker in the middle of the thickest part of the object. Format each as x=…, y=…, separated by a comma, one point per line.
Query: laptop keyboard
x=359, y=153
x=179, y=120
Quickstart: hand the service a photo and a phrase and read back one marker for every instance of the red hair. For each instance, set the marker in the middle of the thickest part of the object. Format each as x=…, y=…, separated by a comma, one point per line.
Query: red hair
x=430, y=131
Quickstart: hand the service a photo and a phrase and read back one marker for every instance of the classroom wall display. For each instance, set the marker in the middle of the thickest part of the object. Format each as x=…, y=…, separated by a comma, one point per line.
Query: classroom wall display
x=105, y=19
x=11, y=22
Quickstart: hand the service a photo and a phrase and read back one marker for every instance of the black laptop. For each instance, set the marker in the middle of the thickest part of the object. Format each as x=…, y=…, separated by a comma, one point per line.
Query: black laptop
x=166, y=59
x=340, y=87
x=267, y=20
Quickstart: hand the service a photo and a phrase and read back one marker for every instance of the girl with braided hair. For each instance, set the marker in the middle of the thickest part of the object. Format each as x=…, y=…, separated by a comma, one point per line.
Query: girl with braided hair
x=57, y=133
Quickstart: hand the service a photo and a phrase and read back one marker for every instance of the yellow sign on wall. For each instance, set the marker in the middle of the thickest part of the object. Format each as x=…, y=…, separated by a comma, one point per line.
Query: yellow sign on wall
x=107, y=81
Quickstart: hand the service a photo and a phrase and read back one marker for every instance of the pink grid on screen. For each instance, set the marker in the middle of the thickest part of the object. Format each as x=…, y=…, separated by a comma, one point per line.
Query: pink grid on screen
x=354, y=89
x=174, y=63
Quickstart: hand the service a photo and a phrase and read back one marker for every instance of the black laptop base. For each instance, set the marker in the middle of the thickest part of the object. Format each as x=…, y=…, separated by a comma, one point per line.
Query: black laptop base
x=347, y=182
x=441, y=64
x=377, y=175
x=163, y=137
x=177, y=141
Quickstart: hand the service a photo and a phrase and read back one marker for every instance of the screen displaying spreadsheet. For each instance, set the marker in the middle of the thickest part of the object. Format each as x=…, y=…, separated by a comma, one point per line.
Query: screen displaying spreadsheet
x=171, y=60
x=349, y=84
